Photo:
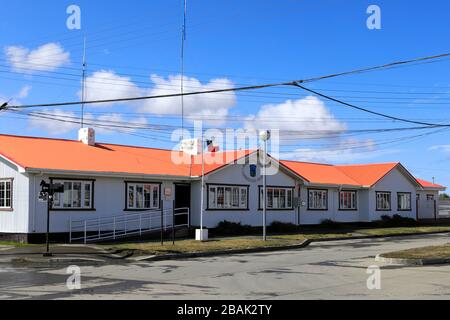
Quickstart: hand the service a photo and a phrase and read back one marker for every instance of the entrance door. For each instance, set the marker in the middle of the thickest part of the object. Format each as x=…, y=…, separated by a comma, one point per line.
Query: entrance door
x=182, y=200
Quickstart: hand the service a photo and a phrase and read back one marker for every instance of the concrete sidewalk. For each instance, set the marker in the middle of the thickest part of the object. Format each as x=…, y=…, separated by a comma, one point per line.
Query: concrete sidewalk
x=61, y=253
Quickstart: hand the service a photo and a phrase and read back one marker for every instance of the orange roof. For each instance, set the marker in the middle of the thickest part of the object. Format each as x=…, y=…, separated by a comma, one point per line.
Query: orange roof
x=319, y=173
x=349, y=175
x=427, y=184
x=70, y=155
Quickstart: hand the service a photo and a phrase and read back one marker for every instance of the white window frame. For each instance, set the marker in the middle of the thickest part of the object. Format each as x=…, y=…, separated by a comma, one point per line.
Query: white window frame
x=141, y=202
x=383, y=198
x=348, y=197
x=86, y=199
x=278, y=198
x=227, y=197
x=404, y=204
x=318, y=199
x=4, y=197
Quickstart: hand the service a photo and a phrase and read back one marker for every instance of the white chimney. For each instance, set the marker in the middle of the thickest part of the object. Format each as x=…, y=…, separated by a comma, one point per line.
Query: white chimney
x=87, y=136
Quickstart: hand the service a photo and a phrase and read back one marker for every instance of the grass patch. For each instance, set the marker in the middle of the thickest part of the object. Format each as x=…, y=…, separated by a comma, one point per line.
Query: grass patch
x=192, y=246
x=274, y=240
x=402, y=230
x=432, y=252
x=16, y=244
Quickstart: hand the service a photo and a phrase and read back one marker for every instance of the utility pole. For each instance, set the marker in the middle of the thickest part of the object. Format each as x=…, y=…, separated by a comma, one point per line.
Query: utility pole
x=83, y=83
x=265, y=136
x=183, y=39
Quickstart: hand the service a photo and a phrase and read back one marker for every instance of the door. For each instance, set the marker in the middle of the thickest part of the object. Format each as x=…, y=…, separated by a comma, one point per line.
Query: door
x=182, y=200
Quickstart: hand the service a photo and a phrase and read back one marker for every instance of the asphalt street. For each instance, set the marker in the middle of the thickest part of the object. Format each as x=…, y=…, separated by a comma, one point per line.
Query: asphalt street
x=328, y=270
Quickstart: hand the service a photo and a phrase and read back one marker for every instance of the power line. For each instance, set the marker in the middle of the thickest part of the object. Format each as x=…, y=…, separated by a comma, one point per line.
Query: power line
x=369, y=111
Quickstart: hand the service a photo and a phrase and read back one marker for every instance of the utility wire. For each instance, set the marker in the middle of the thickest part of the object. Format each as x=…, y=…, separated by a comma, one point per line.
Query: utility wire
x=370, y=111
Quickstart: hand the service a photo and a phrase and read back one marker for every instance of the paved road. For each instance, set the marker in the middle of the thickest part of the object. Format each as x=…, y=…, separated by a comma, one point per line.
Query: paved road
x=331, y=270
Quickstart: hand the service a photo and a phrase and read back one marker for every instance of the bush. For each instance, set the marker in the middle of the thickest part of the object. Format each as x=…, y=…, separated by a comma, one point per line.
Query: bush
x=396, y=221
x=330, y=224
x=280, y=227
x=227, y=227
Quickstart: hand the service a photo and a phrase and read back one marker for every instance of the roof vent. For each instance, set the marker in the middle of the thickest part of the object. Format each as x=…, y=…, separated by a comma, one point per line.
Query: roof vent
x=87, y=136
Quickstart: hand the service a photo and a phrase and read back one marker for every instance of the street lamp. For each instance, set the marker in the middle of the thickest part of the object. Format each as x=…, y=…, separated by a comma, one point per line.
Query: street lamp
x=264, y=136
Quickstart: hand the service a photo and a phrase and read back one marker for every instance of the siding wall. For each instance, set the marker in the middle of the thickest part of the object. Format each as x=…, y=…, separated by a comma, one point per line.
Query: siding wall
x=15, y=221
x=109, y=200
x=237, y=174
x=394, y=182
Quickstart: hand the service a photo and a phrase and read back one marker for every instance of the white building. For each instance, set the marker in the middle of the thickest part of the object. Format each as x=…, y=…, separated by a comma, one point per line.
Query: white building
x=106, y=181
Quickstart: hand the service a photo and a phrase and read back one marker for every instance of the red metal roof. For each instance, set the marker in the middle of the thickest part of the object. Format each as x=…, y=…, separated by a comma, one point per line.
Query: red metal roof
x=71, y=155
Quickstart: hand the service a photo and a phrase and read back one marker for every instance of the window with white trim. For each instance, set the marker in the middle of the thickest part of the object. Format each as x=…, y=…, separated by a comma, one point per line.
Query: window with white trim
x=277, y=198
x=317, y=199
x=383, y=201
x=6, y=194
x=348, y=200
x=77, y=195
x=143, y=196
x=227, y=197
x=404, y=201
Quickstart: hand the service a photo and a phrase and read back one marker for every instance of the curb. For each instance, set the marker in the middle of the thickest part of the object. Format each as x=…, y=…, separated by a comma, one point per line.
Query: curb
x=411, y=262
x=302, y=245
x=181, y=256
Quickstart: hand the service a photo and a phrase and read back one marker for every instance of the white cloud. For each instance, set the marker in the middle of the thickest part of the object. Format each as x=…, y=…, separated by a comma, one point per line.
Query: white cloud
x=58, y=122
x=117, y=119
x=24, y=92
x=297, y=119
x=345, y=151
x=47, y=57
x=442, y=147
x=201, y=106
x=107, y=85
x=52, y=125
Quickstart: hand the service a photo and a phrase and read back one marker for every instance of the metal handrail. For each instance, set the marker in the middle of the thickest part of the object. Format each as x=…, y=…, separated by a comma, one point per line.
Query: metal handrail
x=120, y=225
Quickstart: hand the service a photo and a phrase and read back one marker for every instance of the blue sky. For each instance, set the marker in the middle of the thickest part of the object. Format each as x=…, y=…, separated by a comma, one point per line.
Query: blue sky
x=134, y=48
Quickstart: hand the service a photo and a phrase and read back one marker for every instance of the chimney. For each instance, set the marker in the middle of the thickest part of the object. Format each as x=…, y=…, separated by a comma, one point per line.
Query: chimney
x=87, y=136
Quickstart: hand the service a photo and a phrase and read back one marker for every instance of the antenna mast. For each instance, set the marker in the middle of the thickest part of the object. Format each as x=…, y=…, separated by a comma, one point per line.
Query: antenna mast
x=183, y=39
x=83, y=83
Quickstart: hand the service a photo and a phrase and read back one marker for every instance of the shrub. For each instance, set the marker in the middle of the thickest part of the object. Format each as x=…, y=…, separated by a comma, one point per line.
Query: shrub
x=330, y=224
x=227, y=227
x=396, y=221
x=280, y=227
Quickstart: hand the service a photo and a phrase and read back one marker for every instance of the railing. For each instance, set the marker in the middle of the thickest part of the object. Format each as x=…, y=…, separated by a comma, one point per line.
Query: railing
x=126, y=225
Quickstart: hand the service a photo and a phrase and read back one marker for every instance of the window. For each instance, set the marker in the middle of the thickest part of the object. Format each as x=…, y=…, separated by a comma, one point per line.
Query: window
x=348, y=200
x=317, y=199
x=430, y=197
x=383, y=201
x=278, y=198
x=227, y=197
x=142, y=196
x=404, y=201
x=77, y=195
x=6, y=194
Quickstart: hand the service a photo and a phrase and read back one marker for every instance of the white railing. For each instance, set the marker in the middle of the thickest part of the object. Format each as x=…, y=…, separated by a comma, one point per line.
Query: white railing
x=126, y=225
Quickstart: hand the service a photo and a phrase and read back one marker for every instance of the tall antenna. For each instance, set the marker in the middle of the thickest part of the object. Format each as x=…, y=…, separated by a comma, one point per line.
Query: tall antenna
x=83, y=83
x=183, y=39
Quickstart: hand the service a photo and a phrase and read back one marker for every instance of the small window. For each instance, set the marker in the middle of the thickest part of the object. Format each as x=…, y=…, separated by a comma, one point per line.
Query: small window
x=430, y=197
x=278, y=198
x=317, y=199
x=77, y=195
x=383, y=201
x=6, y=194
x=348, y=200
x=404, y=201
x=142, y=196
x=227, y=197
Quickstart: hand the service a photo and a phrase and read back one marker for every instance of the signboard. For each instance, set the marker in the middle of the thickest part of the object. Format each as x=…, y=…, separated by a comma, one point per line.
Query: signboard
x=192, y=147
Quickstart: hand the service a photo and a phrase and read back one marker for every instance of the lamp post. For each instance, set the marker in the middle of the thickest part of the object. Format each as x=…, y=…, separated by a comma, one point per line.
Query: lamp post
x=264, y=136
